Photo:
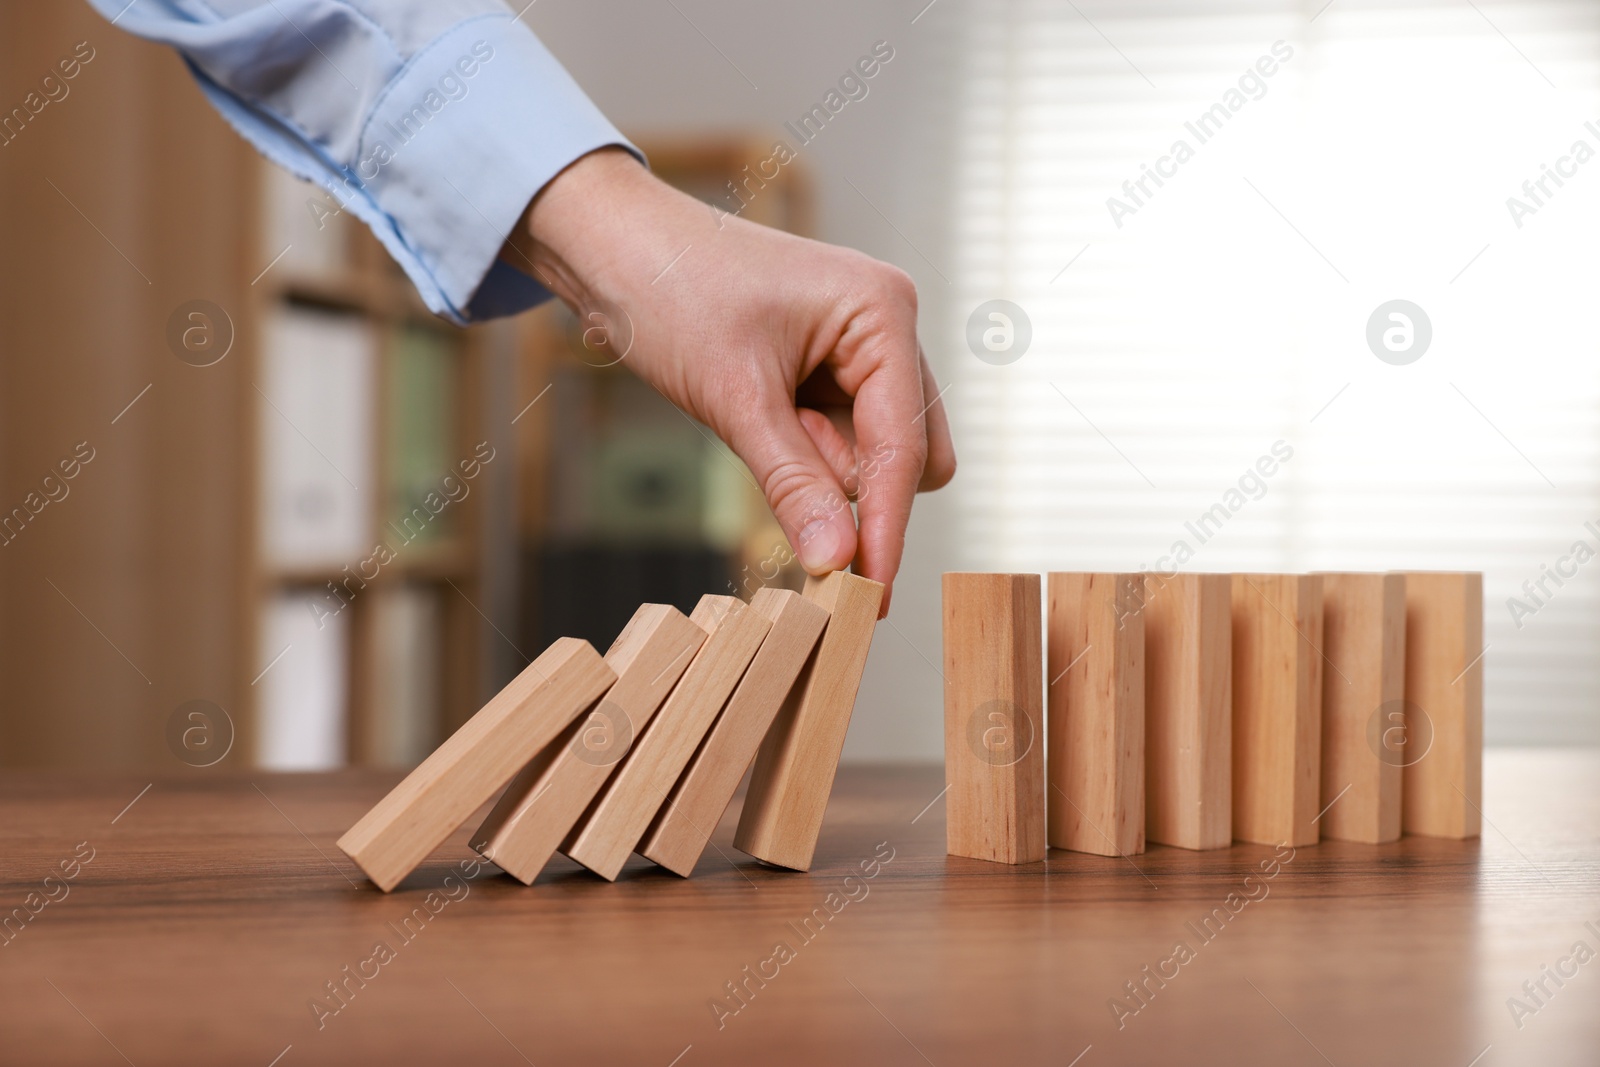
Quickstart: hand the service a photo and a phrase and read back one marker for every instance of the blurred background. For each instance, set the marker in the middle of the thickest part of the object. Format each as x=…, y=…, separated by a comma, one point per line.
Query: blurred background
x=258, y=508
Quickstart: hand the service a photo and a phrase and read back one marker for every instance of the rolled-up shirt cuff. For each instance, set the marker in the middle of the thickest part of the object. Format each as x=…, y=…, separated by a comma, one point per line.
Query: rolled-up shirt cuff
x=455, y=148
x=456, y=144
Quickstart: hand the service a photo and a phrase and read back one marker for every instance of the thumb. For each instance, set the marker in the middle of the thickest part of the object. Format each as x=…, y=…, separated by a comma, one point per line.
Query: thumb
x=800, y=487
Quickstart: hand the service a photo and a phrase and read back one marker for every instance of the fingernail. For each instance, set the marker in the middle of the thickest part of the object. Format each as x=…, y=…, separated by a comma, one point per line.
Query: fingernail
x=819, y=543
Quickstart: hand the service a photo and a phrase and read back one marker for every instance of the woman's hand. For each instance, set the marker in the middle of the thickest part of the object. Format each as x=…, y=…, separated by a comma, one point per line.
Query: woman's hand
x=802, y=356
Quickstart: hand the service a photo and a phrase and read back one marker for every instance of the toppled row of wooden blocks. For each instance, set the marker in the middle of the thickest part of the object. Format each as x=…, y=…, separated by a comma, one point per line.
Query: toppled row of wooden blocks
x=1199, y=709
x=676, y=711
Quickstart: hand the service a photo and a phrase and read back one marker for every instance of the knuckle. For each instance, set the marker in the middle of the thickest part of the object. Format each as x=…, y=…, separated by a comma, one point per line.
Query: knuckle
x=908, y=458
x=912, y=449
x=939, y=472
x=897, y=287
x=786, y=488
x=916, y=454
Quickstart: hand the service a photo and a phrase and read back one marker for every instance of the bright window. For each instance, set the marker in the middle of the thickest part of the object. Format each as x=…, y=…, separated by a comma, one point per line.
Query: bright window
x=1331, y=164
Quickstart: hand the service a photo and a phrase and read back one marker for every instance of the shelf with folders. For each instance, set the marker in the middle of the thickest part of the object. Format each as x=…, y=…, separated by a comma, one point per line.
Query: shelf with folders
x=625, y=498
x=370, y=458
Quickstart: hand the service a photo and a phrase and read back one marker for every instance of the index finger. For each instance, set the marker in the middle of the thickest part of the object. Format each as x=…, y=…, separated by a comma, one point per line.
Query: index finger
x=891, y=443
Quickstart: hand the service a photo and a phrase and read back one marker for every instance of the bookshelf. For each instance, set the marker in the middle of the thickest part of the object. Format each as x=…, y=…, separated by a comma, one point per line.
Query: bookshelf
x=367, y=502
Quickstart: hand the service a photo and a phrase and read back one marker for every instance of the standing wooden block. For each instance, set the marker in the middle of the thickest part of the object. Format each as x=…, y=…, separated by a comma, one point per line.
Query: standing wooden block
x=476, y=761
x=606, y=835
x=1277, y=707
x=1188, y=710
x=1443, y=791
x=548, y=797
x=994, y=717
x=685, y=822
x=1096, y=715
x=794, y=769
x=1363, y=682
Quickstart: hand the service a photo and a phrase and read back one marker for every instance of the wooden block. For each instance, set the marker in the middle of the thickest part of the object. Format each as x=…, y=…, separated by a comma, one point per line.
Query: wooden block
x=1188, y=710
x=1095, y=721
x=794, y=769
x=1443, y=790
x=550, y=795
x=476, y=761
x=680, y=830
x=994, y=717
x=1277, y=707
x=1363, y=683
x=606, y=835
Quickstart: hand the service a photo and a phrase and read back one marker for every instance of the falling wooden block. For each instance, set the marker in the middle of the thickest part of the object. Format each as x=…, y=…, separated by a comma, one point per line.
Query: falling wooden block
x=1188, y=710
x=476, y=761
x=542, y=803
x=1095, y=724
x=1277, y=707
x=994, y=717
x=794, y=769
x=680, y=830
x=1363, y=683
x=1442, y=795
x=606, y=835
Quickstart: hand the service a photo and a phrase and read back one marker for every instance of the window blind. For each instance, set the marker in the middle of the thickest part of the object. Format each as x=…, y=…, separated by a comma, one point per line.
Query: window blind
x=1184, y=329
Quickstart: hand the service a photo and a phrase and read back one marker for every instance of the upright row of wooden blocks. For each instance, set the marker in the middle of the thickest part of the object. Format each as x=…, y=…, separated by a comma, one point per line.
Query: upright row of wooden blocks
x=677, y=710
x=1200, y=709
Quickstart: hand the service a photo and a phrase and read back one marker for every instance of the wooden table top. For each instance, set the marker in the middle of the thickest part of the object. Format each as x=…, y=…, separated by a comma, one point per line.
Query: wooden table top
x=206, y=918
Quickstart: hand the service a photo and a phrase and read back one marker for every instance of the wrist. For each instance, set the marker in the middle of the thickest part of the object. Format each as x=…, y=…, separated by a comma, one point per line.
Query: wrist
x=585, y=226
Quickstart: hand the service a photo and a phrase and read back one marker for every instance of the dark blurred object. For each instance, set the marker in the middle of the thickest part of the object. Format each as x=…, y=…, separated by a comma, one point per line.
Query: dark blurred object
x=590, y=591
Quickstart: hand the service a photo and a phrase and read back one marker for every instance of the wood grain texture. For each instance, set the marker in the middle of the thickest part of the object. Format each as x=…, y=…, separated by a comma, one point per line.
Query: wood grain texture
x=1277, y=707
x=1095, y=720
x=606, y=835
x=994, y=717
x=1363, y=682
x=132, y=515
x=679, y=833
x=543, y=802
x=977, y=963
x=1188, y=710
x=794, y=769
x=1443, y=788
x=476, y=761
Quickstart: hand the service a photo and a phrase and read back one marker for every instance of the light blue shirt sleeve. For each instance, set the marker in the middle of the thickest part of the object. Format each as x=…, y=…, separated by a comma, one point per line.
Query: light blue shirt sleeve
x=435, y=122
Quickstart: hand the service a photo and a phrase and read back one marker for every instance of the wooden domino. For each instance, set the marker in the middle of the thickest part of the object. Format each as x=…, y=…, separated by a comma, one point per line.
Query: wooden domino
x=1443, y=779
x=606, y=835
x=1363, y=683
x=679, y=833
x=794, y=768
x=994, y=717
x=1095, y=718
x=1277, y=707
x=542, y=803
x=476, y=761
x=1188, y=710
x=1193, y=710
